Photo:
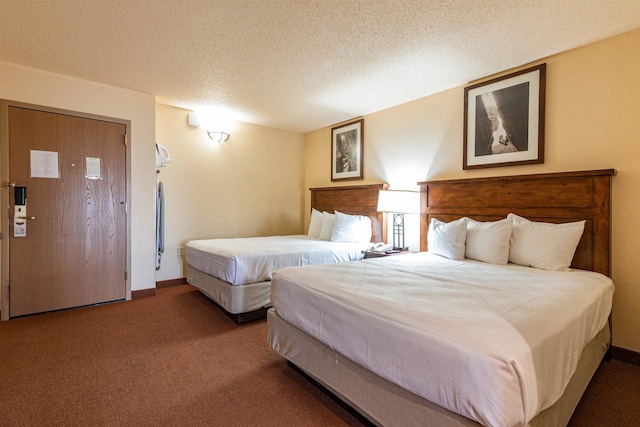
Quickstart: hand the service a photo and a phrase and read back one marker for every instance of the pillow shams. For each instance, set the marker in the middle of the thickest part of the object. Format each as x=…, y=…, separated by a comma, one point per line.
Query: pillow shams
x=327, y=226
x=543, y=245
x=351, y=228
x=447, y=238
x=315, y=225
x=488, y=241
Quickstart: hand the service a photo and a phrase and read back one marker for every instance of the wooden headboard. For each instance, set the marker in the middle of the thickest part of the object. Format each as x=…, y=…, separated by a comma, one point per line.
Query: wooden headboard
x=553, y=197
x=353, y=200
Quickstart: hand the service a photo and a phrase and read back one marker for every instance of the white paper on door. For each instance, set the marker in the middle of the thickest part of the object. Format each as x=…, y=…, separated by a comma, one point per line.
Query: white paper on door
x=44, y=164
x=93, y=168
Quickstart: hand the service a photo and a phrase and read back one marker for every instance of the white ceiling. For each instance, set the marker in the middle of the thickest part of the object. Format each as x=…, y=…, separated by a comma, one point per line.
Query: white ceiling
x=298, y=64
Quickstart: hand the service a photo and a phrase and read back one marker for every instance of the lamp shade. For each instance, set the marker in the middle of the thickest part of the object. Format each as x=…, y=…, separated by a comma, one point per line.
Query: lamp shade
x=399, y=201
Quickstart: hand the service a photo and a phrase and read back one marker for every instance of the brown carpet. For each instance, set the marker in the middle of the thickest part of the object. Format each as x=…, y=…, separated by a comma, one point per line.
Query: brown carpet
x=612, y=398
x=175, y=359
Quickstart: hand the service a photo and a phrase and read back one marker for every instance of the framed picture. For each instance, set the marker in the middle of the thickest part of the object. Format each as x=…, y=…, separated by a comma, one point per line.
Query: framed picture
x=346, y=151
x=504, y=120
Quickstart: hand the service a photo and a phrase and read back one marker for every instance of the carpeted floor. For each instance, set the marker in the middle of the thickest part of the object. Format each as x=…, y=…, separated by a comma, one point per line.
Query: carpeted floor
x=175, y=359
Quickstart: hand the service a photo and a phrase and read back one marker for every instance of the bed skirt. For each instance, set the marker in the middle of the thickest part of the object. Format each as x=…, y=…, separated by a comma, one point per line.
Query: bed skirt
x=235, y=299
x=385, y=403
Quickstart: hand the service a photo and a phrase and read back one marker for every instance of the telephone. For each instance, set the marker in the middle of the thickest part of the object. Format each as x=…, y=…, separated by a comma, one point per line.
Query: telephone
x=381, y=247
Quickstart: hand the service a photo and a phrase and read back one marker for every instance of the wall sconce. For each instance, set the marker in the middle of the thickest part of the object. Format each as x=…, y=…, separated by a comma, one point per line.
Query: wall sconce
x=400, y=203
x=219, y=136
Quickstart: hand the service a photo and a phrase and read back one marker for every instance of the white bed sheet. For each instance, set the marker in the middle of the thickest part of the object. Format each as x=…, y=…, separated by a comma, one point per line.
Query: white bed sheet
x=496, y=344
x=254, y=259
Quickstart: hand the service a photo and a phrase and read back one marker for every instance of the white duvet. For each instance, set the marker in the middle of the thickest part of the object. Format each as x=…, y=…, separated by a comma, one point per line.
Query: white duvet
x=254, y=259
x=495, y=343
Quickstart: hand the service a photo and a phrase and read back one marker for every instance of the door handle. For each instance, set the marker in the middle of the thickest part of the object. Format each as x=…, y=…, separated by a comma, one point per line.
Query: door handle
x=26, y=217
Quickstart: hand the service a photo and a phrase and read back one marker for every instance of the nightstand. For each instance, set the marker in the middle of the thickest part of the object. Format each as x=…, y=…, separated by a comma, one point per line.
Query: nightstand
x=375, y=254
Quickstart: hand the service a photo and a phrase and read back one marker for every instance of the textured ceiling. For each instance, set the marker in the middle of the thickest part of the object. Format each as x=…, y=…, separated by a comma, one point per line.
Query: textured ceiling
x=297, y=64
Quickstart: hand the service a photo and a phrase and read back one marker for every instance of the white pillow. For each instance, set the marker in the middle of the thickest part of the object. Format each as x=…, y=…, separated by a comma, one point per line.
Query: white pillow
x=488, y=241
x=543, y=245
x=351, y=228
x=447, y=238
x=315, y=224
x=326, y=230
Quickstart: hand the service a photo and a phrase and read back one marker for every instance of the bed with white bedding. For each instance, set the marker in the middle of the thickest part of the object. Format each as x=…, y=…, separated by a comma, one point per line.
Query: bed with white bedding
x=254, y=259
x=478, y=339
x=236, y=273
x=425, y=340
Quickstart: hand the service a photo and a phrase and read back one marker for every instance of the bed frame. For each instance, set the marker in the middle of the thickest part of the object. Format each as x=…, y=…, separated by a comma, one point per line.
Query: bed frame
x=556, y=197
x=352, y=200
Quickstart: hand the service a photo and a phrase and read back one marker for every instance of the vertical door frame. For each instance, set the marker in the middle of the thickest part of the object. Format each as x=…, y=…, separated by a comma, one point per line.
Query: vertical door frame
x=5, y=191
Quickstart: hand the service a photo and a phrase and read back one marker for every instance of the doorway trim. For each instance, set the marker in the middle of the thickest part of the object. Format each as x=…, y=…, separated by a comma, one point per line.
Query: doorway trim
x=4, y=193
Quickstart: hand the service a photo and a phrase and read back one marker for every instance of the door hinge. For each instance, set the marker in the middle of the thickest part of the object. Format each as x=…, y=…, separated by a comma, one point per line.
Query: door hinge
x=126, y=275
x=125, y=139
x=125, y=205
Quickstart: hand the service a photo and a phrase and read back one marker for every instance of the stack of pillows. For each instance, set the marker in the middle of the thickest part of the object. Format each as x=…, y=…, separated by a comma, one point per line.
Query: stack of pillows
x=339, y=227
x=514, y=239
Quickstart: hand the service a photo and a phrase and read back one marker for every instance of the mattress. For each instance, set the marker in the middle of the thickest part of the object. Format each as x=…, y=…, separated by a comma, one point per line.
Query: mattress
x=478, y=339
x=254, y=259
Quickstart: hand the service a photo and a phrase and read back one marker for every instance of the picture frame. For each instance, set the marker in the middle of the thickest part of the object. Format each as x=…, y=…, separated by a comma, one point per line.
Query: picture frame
x=347, y=143
x=504, y=120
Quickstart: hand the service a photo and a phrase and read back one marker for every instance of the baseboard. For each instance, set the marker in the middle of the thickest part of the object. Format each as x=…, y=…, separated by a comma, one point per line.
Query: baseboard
x=624, y=355
x=143, y=293
x=151, y=292
x=172, y=282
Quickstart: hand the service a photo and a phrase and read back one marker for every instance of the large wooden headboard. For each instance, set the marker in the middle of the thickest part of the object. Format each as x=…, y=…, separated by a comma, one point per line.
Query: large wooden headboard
x=553, y=197
x=353, y=200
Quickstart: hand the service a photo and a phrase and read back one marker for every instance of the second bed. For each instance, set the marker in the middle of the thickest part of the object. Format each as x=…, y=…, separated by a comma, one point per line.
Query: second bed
x=236, y=273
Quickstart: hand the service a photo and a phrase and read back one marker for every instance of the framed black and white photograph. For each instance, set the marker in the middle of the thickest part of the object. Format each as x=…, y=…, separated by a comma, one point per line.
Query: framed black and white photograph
x=346, y=151
x=504, y=120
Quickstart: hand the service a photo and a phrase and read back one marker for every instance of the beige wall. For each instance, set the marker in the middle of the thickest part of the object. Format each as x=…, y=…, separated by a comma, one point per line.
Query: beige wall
x=592, y=122
x=33, y=86
x=250, y=185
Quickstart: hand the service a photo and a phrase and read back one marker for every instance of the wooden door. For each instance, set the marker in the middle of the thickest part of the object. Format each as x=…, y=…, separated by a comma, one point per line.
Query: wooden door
x=74, y=251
